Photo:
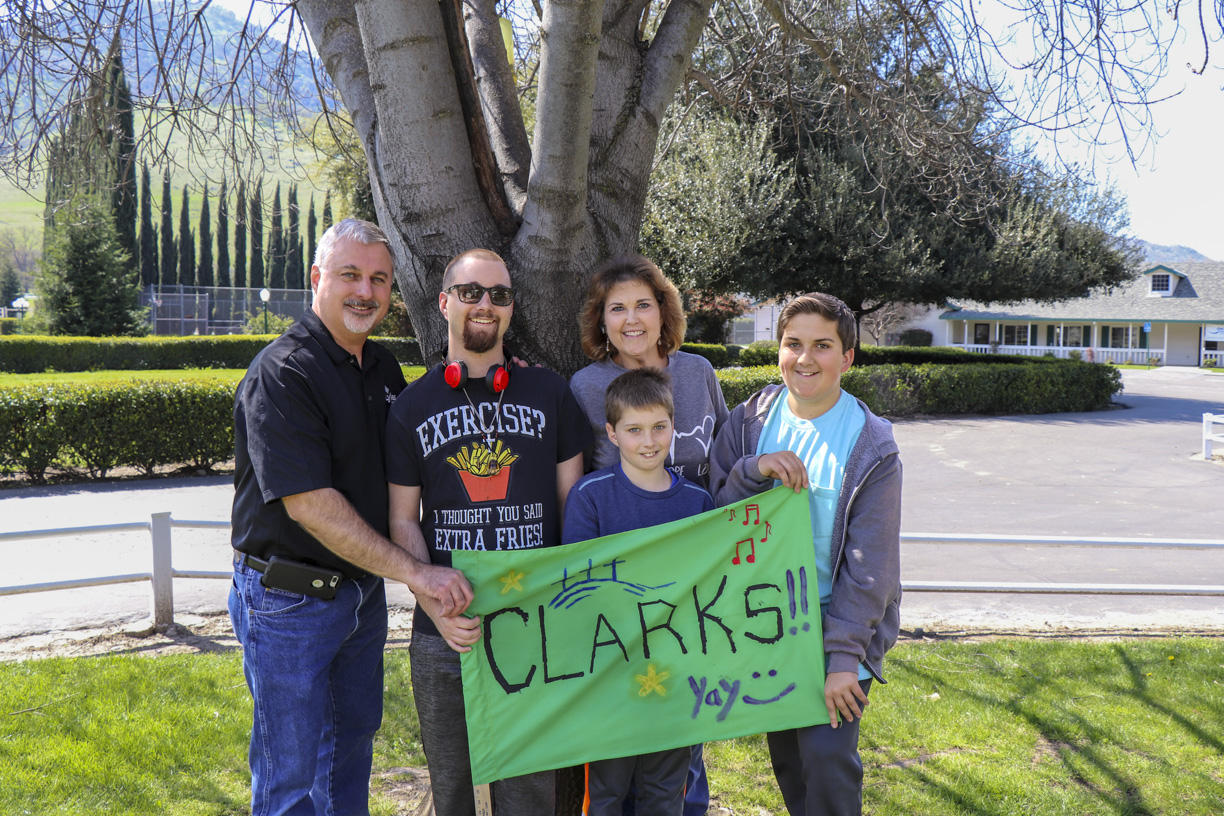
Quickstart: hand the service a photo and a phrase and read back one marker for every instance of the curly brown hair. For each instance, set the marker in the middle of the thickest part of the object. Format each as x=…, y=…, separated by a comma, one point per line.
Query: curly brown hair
x=625, y=269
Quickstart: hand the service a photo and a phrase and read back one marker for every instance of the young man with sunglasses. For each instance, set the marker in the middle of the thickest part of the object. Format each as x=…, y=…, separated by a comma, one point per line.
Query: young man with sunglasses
x=480, y=456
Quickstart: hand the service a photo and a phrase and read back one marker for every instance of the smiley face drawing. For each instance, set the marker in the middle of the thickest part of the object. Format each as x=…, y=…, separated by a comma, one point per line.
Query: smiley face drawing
x=759, y=701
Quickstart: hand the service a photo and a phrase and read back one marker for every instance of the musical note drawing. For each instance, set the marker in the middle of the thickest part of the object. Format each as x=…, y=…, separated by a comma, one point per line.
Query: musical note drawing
x=768, y=530
x=748, y=511
x=731, y=510
x=751, y=556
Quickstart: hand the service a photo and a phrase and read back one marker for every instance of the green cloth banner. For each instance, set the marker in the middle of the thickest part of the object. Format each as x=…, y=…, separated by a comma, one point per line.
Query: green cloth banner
x=698, y=630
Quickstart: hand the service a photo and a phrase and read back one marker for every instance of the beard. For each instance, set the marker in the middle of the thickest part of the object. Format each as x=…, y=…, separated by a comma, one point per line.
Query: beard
x=479, y=340
x=359, y=324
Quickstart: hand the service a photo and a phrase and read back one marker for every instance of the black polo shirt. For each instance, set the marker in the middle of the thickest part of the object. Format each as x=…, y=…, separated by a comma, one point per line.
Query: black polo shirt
x=306, y=417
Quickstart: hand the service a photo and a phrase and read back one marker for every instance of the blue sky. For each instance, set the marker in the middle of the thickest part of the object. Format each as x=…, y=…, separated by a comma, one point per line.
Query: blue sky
x=1175, y=191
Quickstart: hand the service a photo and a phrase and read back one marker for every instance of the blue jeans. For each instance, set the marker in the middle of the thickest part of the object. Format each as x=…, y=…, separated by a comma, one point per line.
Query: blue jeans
x=315, y=671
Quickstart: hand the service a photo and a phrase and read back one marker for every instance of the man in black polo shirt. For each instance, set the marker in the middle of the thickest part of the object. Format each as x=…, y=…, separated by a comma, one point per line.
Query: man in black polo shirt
x=489, y=456
x=310, y=536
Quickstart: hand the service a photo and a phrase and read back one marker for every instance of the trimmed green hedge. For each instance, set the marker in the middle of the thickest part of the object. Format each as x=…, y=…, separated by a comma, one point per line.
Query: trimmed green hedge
x=717, y=354
x=765, y=352
x=903, y=390
x=143, y=425
x=99, y=428
x=31, y=354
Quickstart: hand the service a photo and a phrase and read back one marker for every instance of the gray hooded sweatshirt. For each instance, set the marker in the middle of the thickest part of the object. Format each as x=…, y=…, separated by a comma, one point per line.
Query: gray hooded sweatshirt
x=863, y=616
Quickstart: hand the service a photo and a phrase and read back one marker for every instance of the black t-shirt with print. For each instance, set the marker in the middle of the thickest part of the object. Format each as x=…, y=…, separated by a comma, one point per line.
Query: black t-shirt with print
x=487, y=469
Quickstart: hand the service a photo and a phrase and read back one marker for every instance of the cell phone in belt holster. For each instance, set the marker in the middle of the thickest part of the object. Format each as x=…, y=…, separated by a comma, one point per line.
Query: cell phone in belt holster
x=304, y=579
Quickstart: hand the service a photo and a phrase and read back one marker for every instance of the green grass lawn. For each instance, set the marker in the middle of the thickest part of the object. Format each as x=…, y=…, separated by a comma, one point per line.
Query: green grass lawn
x=994, y=728
x=99, y=377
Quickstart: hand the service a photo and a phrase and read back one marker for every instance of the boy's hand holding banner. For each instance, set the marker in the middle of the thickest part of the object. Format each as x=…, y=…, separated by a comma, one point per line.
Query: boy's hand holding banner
x=699, y=630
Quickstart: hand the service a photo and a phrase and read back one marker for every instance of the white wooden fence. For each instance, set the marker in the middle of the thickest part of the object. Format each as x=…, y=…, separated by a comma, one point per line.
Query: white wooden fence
x=162, y=573
x=1208, y=435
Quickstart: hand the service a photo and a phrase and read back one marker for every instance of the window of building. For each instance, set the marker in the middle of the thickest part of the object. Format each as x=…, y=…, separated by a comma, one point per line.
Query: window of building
x=1119, y=337
x=981, y=333
x=1069, y=336
x=1016, y=335
x=1162, y=283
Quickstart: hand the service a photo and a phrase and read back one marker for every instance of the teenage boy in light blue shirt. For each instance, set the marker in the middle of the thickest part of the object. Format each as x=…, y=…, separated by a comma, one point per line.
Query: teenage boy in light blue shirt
x=809, y=434
x=636, y=492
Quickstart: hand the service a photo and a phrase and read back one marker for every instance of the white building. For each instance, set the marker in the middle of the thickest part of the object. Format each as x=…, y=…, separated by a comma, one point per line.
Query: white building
x=1167, y=316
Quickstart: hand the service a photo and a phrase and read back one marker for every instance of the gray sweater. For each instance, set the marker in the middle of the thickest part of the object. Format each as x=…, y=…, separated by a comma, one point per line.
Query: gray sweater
x=864, y=613
x=700, y=412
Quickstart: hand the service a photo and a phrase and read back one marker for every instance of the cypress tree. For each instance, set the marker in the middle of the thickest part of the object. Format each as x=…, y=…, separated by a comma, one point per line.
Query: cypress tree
x=256, y=215
x=10, y=283
x=327, y=213
x=312, y=230
x=240, y=237
x=186, y=244
x=276, y=245
x=293, y=242
x=148, y=235
x=204, y=271
x=56, y=194
x=223, y=258
x=169, y=254
x=122, y=157
x=92, y=161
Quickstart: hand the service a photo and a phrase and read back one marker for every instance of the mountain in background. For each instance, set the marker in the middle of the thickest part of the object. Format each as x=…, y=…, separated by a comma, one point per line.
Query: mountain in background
x=1160, y=254
x=224, y=27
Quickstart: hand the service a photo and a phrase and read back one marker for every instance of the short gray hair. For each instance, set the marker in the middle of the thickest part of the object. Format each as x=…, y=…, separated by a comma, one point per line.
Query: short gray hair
x=352, y=229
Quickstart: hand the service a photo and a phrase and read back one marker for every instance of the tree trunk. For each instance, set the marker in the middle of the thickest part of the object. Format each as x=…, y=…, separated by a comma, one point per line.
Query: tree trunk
x=406, y=75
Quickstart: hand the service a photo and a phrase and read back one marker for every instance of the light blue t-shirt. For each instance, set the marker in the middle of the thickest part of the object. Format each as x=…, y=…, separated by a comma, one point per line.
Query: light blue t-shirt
x=824, y=445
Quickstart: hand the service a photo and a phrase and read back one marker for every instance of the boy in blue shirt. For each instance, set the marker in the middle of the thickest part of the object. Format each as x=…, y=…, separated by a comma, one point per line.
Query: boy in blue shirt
x=809, y=434
x=636, y=492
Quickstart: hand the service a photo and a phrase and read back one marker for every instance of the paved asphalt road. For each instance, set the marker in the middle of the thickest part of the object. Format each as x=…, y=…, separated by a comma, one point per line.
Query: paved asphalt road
x=1133, y=471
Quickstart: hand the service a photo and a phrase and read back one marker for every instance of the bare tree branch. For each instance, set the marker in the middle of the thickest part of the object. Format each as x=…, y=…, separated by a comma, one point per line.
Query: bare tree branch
x=503, y=113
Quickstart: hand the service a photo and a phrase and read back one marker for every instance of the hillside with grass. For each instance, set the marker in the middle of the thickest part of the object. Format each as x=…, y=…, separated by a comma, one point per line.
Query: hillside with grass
x=198, y=158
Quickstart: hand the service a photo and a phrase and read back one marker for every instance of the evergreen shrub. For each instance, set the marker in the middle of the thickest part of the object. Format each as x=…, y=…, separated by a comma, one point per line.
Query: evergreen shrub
x=765, y=352
x=906, y=390
x=100, y=428
x=32, y=354
x=759, y=353
x=916, y=337
x=9, y=325
x=716, y=353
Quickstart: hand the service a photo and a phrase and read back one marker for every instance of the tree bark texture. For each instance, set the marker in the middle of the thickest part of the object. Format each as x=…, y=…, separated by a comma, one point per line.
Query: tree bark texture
x=450, y=173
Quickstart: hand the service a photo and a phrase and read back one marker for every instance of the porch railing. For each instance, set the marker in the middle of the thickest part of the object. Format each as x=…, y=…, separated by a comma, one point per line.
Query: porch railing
x=1133, y=356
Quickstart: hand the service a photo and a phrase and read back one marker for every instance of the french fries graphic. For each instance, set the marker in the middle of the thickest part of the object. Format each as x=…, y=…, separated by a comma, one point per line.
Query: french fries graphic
x=479, y=460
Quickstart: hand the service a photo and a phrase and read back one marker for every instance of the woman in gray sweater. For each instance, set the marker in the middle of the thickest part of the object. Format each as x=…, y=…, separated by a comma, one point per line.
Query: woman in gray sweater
x=632, y=318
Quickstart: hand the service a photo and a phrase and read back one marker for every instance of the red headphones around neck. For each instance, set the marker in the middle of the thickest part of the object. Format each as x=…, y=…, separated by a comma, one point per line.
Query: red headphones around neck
x=496, y=380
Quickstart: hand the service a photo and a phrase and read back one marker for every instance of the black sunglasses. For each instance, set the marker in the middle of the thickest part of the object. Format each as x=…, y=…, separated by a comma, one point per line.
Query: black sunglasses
x=474, y=293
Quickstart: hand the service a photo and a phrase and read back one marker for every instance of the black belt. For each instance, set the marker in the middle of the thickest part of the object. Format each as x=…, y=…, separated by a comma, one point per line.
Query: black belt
x=261, y=566
x=257, y=564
